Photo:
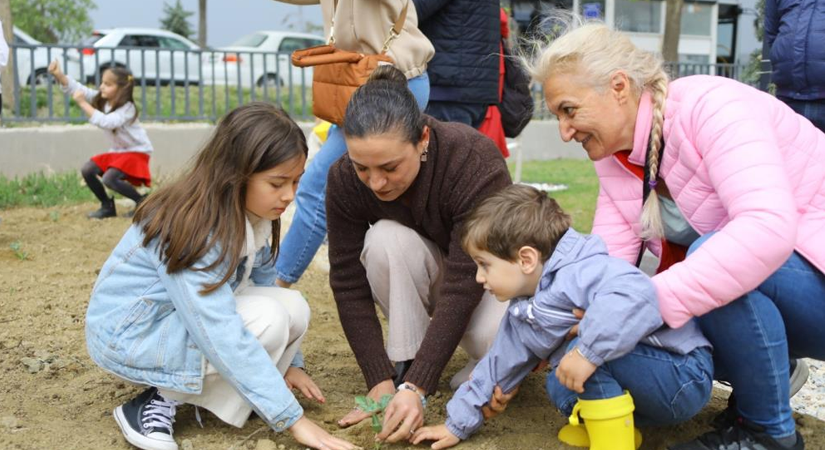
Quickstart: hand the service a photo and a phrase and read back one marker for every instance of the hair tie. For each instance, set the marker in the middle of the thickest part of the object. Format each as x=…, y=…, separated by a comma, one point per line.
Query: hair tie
x=652, y=184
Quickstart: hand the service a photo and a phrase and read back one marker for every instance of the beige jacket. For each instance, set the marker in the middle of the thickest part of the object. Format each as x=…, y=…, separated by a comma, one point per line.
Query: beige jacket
x=363, y=26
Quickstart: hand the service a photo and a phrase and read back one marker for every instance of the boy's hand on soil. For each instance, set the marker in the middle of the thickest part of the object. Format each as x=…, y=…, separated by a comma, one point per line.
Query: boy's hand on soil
x=308, y=433
x=498, y=402
x=574, y=369
x=296, y=378
x=403, y=416
x=356, y=415
x=439, y=433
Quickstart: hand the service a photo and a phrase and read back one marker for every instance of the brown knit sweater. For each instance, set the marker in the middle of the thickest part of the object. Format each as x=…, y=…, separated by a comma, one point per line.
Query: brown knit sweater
x=462, y=167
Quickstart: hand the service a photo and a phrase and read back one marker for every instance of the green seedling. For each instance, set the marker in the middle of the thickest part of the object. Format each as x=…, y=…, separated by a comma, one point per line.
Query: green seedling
x=17, y=248
x=54, y=215
x=375, y=409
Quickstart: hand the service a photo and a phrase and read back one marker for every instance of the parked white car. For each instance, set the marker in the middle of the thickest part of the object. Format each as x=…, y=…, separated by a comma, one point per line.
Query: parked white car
x=32, y=63
x=261, y=58
x=151, y=54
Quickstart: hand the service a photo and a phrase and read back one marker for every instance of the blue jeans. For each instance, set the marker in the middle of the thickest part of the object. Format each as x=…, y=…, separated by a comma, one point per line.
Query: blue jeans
x=309, y=225
x=813, y=110
x=667, y=388
x=753, y=335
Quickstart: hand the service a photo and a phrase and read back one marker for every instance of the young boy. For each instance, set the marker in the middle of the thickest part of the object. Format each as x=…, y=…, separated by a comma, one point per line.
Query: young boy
x=527, y=253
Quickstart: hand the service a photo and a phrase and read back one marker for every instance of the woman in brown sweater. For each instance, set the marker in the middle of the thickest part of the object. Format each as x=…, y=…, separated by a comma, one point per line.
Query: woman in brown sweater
x=395, y=206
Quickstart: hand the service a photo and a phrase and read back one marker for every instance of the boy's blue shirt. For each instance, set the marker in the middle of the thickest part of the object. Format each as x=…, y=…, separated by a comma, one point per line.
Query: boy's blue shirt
x=621, y=310
x=154, y=328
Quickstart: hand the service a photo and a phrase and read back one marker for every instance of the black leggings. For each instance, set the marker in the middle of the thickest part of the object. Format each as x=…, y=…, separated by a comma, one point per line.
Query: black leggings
x=114, y=179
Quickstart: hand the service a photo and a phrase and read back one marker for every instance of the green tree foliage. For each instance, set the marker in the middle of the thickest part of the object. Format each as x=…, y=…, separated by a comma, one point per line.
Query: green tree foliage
x=53, y=21
x=176, y=19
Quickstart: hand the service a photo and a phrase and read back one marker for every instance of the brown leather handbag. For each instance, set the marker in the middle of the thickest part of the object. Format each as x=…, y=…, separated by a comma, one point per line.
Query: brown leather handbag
x=338, y=73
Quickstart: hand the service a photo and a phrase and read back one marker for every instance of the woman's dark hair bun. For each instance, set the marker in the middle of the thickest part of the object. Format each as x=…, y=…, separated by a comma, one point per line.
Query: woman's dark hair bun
x=388, y=72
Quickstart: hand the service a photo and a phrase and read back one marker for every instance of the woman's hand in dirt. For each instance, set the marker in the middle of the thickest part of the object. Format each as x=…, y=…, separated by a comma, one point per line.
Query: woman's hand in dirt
x=439, y=433
x=498, y=402
x=356, y=415
x=308, y=433
x=574, y=369
x=403, y=416
x=574, y=331
x=296, y=378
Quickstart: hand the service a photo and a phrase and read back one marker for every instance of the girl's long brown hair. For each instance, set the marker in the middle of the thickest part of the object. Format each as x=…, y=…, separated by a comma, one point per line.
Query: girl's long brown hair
x=205, y=206
x=125, y=88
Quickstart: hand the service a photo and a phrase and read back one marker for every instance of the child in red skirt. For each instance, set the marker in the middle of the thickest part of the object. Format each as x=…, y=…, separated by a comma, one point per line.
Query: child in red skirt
x=112, y=108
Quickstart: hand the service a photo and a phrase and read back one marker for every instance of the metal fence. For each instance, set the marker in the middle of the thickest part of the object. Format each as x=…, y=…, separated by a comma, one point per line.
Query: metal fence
x=200, y=85
x=170, y=84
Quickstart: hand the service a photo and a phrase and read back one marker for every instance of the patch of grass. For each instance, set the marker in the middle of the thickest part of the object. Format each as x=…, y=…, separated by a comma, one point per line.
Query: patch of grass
x=579, y=200
x=44, y=190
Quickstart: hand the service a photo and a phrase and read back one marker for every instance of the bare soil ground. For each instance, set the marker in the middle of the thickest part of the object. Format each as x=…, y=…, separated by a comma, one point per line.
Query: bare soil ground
x=53, y=397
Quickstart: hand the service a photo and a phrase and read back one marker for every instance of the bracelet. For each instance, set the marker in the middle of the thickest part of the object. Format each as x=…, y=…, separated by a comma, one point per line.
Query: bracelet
x=407, y=387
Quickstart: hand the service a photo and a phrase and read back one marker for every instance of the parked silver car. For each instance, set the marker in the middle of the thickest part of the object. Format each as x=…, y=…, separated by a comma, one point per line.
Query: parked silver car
x=32, y=59
x=157, y=56
x=261, y=58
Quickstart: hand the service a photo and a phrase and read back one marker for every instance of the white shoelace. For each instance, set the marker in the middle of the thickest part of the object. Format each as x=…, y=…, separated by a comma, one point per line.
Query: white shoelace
x=159, y=414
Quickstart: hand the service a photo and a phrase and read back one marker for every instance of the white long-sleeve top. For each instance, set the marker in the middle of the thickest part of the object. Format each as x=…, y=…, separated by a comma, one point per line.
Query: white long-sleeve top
x=125, y=135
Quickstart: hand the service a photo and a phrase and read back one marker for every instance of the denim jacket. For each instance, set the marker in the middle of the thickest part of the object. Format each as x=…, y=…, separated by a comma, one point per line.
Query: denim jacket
x=621, y=310
x=154, y=328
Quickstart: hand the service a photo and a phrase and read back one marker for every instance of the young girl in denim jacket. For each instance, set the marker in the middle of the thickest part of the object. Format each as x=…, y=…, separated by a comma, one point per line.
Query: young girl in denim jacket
x=186, y=303
x=112, y=108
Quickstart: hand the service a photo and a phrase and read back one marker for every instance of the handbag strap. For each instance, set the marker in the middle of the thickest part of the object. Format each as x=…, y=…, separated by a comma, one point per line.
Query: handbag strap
x=395, y=31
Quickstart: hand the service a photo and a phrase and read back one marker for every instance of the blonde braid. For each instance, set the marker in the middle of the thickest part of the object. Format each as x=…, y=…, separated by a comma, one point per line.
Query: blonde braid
x=651, y=214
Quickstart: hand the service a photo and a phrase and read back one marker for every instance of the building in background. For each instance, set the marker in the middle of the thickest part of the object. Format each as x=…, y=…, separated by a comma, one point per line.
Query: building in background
x=713, y=31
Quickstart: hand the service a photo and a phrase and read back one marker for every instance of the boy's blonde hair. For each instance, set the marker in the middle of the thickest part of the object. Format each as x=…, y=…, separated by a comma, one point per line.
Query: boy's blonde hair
x=512, y=218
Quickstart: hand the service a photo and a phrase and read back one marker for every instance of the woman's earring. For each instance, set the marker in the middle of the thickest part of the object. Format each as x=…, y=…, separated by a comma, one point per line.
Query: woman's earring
x=424, y=153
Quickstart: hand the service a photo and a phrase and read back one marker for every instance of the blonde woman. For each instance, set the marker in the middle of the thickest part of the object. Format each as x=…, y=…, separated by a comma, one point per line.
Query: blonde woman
x=734, y=205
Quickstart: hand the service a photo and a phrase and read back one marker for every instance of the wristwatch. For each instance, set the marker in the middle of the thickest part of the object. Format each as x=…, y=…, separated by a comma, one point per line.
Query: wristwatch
x=408, y=387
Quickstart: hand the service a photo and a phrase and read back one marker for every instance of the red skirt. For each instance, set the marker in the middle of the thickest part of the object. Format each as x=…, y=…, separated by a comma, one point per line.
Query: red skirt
x=134, y=164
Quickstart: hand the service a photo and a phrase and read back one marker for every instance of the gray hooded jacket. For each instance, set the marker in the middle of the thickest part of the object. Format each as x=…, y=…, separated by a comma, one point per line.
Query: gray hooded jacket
x=621, y=312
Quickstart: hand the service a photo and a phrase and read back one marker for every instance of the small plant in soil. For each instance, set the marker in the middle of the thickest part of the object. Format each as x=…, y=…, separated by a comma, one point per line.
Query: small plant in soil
x=17, y=248
x=54, y=216
x=375, y=409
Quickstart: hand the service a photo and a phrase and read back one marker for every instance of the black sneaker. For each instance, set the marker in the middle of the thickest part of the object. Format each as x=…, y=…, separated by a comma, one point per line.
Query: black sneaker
x=741, y=436
x=107, y=209
x=146, y=421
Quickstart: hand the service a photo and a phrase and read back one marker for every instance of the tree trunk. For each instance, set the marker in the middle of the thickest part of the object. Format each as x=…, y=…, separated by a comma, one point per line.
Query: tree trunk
x=202, y=23
x=7, y=75
x=673, y=28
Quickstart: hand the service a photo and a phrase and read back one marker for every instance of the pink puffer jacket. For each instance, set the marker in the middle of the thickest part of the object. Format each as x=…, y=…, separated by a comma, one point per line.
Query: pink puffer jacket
x=737, y=161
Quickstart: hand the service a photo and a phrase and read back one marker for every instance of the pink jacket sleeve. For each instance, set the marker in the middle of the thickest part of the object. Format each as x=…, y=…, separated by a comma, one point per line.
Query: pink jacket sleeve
x=738, y=157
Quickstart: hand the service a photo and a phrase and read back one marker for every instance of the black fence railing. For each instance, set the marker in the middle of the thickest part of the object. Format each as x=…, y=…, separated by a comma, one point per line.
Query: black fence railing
x=171, y=84
x=179, y=84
